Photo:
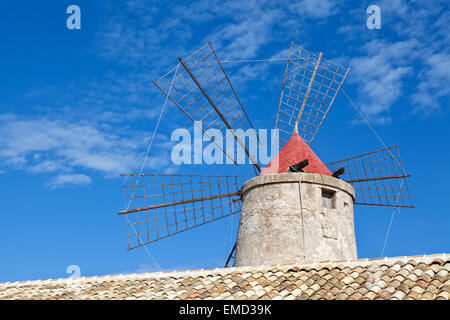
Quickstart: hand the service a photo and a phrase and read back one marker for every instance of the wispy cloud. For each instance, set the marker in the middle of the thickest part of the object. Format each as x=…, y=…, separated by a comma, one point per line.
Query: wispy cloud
x=414, y=56
x=415, y=19
x=63, y=180
x=243, y=38
x=237, y=29
x=316, y=9
x=433, y=86
x=64, y=147
x=379, y=75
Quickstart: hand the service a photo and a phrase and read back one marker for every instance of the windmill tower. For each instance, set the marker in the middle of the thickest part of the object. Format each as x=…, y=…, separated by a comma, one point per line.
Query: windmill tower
x=297, y=208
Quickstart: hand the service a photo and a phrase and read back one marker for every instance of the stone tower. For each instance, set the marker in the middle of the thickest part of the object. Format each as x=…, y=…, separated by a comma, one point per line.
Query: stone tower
x=295, y=217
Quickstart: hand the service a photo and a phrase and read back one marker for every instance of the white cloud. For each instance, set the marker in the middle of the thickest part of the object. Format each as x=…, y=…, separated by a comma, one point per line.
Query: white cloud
x=434, y=83
x=418, y=30
x=398, y=7
x=72, y=144
x=63, y=180
x=63, y=146
x=316, y=9
x=379, y=75
x=237, y=29
x=414, y=19
x=46, y=165
x=244, y=37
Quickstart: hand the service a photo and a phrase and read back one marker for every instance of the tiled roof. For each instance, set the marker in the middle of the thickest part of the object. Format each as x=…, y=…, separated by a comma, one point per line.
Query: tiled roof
x=418, y=277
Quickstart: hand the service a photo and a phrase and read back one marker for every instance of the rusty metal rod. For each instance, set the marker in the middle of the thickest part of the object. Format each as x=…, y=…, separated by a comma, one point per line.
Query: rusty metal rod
x=379, y=178
x=231, y=255
x=195, y=122
x=383, y=205
x=307, y=93
x=364, y=154
x=235, y=94
x=219, y=113
x=163, y=205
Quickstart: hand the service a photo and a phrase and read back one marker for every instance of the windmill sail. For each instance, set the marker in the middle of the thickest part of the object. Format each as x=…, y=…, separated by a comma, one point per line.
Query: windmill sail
x=201, y=89
x=159, y=206
x=378, y=178
x=310, y=86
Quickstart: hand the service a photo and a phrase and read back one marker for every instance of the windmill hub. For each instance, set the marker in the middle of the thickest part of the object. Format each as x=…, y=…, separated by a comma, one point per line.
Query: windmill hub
x=295, y=217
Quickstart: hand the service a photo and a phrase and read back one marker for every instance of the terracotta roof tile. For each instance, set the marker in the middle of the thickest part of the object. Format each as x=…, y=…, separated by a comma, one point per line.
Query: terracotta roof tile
x=419, y=277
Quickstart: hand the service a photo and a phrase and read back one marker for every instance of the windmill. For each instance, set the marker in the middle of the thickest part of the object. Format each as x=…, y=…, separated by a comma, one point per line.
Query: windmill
x=159, y=205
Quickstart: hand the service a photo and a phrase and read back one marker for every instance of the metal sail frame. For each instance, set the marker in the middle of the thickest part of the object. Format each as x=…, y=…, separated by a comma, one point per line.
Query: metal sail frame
x=310, y=85
x=203, y=92
x=378, y=177
x=164, y=205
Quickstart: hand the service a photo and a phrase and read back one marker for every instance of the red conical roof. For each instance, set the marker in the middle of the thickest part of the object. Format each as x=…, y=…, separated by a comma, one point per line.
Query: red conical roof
x=294, y=151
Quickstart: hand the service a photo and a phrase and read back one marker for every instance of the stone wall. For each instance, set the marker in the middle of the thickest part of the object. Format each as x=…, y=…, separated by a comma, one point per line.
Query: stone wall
x=281, y=225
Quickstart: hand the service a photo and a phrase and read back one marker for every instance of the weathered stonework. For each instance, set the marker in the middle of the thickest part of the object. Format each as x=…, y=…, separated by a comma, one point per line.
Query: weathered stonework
x=278, y=226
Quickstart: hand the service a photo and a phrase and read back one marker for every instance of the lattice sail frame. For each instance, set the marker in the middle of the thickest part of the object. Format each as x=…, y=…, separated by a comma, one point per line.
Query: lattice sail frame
x=200, y=88
x=378, y=177
x=163, y=205
x=310, y=86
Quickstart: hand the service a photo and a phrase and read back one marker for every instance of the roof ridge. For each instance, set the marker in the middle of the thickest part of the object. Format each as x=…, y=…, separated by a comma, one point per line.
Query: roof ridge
x=198, y=272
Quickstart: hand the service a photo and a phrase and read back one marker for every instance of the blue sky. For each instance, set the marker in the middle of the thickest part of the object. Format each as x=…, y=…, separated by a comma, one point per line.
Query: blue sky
x=77, y=108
